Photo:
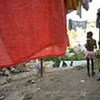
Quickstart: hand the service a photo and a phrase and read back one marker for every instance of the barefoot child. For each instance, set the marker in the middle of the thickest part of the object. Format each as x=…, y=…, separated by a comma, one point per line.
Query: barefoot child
x=90, y=46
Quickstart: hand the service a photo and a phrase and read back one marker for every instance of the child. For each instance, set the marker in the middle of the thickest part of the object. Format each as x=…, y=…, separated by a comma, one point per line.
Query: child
x=90, y=46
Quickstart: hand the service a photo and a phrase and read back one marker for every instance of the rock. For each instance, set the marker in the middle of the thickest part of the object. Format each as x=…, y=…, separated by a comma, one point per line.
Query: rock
x=3, y=81
x=28, y=96
x=9, y=79
x=82, y=81
x=2, y=97
x=31, y=81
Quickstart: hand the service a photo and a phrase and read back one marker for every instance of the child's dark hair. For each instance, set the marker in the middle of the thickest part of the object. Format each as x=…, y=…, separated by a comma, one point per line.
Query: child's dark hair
x=89, y=34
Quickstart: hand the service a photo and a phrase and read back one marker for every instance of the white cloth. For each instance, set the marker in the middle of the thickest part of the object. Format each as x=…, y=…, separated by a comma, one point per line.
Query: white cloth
x=89, y=54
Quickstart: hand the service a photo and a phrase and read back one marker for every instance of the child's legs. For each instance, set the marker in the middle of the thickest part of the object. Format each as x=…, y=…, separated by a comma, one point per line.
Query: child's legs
x=88, y=65
x=92, y=64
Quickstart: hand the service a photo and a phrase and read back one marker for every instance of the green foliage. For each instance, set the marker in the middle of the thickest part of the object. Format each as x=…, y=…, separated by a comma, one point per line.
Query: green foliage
x=78, y=56
x=71, y=50
x=56, y=60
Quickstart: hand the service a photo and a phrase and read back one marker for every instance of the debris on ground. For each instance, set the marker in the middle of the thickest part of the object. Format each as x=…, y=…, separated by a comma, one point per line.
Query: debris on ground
x=56, y=84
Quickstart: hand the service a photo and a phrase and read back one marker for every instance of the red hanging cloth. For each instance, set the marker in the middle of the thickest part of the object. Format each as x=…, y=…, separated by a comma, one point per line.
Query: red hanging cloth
x=31, y=29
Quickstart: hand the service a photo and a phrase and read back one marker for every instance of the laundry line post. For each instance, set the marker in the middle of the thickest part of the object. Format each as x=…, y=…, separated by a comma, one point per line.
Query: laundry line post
x=41, y=64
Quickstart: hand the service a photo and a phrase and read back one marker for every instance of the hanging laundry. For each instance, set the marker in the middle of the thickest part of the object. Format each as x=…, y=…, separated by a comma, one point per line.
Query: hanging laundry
x=77, y=5
x=74, y=24
x=90, y=0
x=86, y=4
x=72, y=4
x=31, y=29
x=70, y=24
x=79, y=9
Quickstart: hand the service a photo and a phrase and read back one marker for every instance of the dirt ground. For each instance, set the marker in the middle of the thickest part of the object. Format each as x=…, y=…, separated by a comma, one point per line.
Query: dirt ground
x=71, y=84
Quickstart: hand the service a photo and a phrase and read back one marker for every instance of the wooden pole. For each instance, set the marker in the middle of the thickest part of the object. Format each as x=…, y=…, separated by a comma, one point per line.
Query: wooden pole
x=41, y=60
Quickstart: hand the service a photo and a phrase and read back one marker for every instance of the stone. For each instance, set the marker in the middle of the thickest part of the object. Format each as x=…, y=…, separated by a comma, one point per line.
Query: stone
x=2, y=97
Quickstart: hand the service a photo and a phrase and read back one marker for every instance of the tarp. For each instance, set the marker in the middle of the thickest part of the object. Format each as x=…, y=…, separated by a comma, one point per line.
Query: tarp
x=31, y=29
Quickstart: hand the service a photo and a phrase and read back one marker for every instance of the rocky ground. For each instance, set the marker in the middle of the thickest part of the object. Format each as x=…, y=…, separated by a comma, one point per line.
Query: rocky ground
x=59, y=84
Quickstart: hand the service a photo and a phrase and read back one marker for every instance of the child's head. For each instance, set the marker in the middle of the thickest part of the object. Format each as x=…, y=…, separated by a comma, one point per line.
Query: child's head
x=89, y=34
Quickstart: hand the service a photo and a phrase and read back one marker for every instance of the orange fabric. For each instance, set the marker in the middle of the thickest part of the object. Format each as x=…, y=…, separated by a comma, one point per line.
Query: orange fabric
x=31, y=29
x=72, y=4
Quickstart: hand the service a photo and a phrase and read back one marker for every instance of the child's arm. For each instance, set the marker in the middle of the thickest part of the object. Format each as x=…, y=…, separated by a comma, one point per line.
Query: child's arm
x=86, y=45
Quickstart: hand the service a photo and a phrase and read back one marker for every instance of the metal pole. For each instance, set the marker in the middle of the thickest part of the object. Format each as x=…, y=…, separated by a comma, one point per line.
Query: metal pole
x=41, y=67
